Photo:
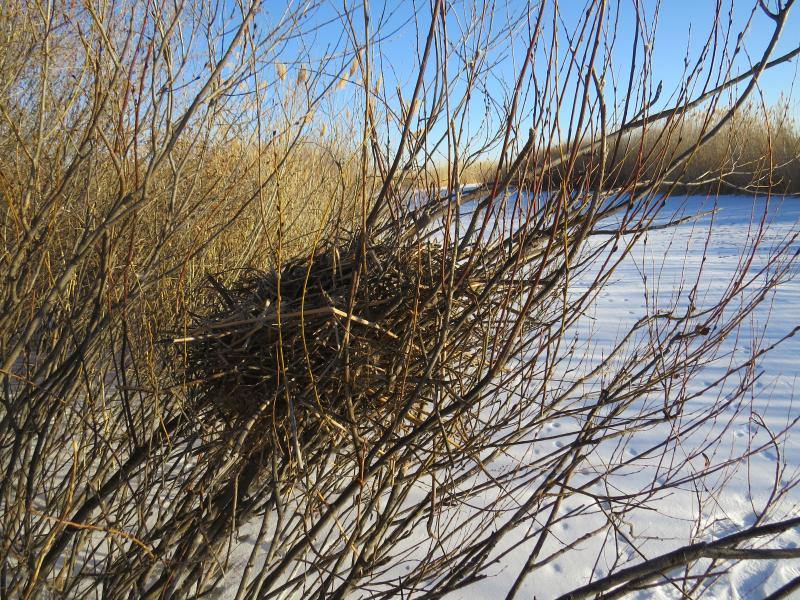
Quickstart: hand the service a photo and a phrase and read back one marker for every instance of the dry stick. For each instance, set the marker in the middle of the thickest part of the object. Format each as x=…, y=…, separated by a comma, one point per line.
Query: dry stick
x=722, y=548
x=271, y=319
x=353, y=487
x=89, y=527
x=650, y=228
x=785, y=591
x=531, y=560
x=138, y=456
x=387, y=182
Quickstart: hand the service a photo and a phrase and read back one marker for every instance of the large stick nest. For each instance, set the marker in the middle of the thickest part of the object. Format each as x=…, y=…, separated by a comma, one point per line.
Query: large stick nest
x=311, y=355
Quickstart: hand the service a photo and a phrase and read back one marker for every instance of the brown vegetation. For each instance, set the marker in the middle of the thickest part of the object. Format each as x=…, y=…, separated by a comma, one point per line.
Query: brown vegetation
x=756, y=152
x=227, y=303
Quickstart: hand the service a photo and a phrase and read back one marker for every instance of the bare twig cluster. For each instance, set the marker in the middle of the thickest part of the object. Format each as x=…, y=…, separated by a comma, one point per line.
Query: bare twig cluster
x=248, y=343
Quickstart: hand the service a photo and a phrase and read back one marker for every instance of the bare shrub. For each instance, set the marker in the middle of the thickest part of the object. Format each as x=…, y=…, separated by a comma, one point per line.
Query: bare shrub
x=238, y=302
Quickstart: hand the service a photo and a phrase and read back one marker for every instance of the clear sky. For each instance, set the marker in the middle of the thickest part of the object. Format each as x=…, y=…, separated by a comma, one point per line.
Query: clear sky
x=681, y=28
x=678, y=30
x=686, y=20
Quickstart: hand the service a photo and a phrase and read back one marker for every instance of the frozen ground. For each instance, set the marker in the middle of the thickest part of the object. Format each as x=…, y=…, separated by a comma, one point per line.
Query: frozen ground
x=671, y=261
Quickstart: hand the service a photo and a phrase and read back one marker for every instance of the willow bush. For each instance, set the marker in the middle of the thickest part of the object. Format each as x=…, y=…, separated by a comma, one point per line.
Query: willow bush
x=242, y=313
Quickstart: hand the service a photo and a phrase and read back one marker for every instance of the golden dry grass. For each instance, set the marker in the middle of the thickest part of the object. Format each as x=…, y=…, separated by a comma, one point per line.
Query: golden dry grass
x=757, y=151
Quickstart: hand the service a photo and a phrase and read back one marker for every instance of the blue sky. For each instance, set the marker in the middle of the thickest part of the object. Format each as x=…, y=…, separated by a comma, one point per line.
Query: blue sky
x=680, y=24
x=682, y=20
x=679, y=29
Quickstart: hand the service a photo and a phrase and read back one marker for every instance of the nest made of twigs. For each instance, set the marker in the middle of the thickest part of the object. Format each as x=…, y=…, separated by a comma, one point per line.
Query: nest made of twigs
x=308, y=353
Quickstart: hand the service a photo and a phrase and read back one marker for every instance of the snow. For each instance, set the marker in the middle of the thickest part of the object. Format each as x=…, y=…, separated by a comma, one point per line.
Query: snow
x=660, y=273
x=667, y=269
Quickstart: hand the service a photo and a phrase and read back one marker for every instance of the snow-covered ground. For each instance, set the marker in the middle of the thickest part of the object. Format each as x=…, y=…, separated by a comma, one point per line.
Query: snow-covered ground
x=660, y=273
